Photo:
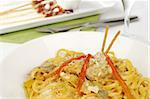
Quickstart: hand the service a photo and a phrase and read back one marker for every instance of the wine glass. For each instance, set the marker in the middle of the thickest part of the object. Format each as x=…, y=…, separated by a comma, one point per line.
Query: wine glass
x=127, y=6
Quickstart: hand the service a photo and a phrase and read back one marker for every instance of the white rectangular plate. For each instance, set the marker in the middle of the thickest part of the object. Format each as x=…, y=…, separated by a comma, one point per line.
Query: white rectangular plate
x=86, y=8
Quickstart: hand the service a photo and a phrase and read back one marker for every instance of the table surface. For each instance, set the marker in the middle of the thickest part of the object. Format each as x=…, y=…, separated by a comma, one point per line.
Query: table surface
x=140, y=28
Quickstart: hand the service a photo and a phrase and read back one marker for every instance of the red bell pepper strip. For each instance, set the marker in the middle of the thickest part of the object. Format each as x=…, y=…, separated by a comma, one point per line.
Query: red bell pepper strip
x=118, y=77
x=83, y=73
x=58, y=71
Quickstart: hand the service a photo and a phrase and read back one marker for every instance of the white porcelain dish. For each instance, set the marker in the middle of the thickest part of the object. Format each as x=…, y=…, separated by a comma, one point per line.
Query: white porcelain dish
x=15, y=67
x=69, y=4
x=86, y=8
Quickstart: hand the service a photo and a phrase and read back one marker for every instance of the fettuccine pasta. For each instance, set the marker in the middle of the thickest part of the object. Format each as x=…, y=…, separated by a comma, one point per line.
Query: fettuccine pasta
x=50, y=81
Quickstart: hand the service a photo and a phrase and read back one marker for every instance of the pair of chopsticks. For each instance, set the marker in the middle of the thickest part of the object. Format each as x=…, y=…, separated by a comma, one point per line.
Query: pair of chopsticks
x=111, y=43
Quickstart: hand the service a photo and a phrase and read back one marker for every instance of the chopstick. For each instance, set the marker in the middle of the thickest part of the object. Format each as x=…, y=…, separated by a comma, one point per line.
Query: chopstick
x=105, y=37
x=112, y=42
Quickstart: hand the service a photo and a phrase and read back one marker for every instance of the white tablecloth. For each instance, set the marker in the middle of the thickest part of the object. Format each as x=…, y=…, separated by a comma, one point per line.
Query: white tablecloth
x=140, y=28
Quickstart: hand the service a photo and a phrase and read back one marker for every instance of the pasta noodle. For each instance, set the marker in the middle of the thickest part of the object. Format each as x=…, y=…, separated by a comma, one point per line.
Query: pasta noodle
x=99, y=82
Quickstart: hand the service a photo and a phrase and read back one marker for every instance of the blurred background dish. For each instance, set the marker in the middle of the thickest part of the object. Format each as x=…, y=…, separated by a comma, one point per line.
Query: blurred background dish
x=25, y=19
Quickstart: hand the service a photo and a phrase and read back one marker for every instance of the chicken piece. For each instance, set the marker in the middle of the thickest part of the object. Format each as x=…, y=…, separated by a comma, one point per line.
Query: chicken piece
x=74, y=67
x=98, y=68
x=93, y=91
x=70, y=78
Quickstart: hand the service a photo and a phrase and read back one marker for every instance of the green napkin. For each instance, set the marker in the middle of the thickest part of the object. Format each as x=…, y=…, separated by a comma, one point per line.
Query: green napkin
x=29, y=34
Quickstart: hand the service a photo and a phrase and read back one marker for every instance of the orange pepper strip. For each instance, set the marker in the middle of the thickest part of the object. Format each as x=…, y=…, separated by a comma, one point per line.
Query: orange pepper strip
x=57, y=72
x=83, y=73
x=118, y=77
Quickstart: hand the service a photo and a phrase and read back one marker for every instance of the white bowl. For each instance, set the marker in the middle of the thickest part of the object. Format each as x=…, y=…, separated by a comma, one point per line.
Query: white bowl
x=15, y=67
x=69, y=4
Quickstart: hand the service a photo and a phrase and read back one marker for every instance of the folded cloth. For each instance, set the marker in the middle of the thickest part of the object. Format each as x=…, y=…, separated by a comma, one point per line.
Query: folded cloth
x=29, y=34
